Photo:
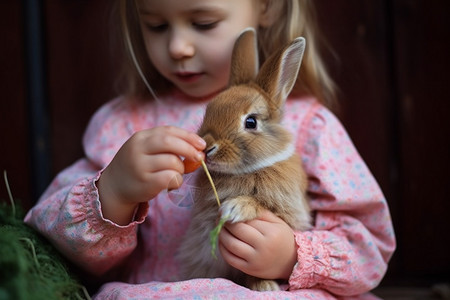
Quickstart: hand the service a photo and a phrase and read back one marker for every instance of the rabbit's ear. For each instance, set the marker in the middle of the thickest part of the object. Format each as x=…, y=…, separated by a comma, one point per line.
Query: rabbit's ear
x=279, y=73
x=244, y=61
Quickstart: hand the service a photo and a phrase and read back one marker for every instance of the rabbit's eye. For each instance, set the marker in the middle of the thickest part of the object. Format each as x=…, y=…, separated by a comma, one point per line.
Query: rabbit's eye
x=250, y=122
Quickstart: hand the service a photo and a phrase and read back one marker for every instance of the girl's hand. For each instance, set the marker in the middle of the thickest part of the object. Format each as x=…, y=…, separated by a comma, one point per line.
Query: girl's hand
x=146, y=164
x=264, y=247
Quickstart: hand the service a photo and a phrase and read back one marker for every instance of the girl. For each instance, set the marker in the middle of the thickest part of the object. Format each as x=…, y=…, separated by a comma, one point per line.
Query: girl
x=111, y=212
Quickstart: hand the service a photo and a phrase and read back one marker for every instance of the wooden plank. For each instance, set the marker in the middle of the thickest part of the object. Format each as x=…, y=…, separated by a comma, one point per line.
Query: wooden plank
x=80, y=69
x=14, y=156
x=393, y=60
x=422, y=30
x=356, y=33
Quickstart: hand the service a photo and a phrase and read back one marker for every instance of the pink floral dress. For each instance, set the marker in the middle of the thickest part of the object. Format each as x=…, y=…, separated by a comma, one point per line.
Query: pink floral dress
x=345, y=255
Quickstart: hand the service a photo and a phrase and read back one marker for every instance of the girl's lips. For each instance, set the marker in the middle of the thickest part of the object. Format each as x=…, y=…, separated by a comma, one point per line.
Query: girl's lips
x=188, y=77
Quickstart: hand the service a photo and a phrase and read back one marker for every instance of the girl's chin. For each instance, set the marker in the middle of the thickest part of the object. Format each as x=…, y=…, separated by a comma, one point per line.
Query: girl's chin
x=198, y=95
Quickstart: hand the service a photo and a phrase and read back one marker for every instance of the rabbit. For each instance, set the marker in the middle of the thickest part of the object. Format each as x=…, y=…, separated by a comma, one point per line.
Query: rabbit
x=250, y=156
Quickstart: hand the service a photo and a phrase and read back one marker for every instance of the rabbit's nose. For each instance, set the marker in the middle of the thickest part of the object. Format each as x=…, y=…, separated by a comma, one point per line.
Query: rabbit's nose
x=211, y=150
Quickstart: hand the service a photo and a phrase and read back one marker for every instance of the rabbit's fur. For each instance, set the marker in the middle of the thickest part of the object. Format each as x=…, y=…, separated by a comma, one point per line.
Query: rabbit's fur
x=250, y=156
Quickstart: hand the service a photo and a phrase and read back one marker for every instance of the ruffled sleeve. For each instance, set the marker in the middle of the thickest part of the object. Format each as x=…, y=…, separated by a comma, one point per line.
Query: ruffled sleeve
x=352, y=240
x=69, y=212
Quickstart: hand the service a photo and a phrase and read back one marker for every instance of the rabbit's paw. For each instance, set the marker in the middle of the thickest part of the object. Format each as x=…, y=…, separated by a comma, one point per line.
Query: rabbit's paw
x=239, y=209
x=262, y=285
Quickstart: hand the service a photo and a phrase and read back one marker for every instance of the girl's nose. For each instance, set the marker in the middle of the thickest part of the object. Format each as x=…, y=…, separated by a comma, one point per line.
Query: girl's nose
x=180, y=46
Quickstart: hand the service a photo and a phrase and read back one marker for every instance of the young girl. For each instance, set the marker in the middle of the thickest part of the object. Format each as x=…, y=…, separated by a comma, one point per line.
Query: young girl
x=112, y=214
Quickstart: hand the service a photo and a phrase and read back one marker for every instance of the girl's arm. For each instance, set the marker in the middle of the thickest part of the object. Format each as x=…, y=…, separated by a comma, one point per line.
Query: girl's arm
x=69, y=216
x=352, y=239
x=91, y=210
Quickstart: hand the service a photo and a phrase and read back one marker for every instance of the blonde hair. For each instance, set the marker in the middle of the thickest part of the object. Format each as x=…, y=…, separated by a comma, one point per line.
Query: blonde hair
x=291, y=18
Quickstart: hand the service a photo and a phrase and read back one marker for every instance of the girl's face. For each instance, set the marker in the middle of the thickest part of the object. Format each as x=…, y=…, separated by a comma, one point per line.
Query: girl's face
x=190, y=41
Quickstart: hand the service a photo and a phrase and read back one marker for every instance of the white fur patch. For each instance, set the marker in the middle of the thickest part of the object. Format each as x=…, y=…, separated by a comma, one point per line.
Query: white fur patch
x=268, y=161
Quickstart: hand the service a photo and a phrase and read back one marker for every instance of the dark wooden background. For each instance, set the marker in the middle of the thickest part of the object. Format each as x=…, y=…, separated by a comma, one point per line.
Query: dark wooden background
x=389, y=58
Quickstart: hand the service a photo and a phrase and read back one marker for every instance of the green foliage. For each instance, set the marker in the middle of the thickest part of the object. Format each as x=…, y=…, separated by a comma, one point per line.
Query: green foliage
x=30, y=267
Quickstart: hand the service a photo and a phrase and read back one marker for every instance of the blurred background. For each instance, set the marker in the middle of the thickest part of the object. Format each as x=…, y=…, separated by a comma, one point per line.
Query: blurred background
x=390, y=59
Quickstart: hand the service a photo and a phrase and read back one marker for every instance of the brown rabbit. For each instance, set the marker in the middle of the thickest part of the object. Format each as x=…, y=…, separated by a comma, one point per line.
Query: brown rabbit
x=251, y=158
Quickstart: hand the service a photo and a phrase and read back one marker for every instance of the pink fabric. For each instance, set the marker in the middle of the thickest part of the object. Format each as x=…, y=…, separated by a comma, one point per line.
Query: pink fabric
x=345, y=254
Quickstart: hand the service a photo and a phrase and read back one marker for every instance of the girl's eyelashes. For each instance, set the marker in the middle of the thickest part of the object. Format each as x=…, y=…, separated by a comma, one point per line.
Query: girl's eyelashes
x=157, y=27
x=205, y=25
x=161, y=27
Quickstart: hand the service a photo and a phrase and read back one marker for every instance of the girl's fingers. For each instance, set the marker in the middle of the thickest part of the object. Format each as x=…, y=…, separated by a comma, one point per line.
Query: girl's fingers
x=175, y=182
x=244, y=232
x=237, y=253
x=151, y=161
x=264, y=221
x=232, y=259
x=233, y=250
x=163, y=180
x=189, y=137
x=174, y=140
x=268, y=216
x=164, y=161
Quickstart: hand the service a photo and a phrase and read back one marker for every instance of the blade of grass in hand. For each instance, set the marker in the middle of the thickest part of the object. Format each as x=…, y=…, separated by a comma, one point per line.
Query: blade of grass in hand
x=214, y=234
x=211, y=181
